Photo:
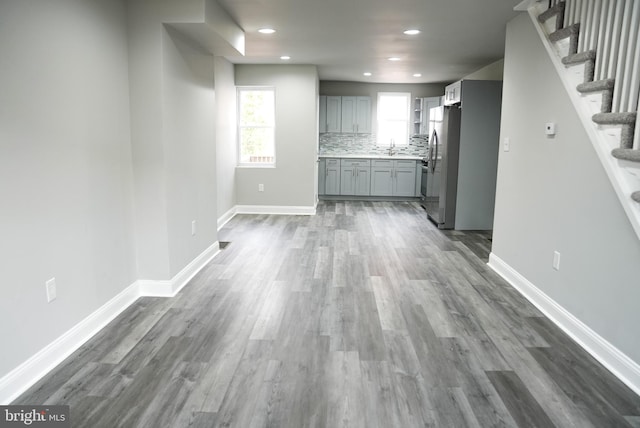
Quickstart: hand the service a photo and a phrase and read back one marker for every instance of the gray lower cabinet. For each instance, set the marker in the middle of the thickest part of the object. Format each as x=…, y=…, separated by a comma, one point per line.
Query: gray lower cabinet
x=322, y=172
x=355, y=177
x=404, y=183
x=367, y=177
x=381, y=180
x=332, y=176
x=393, y=177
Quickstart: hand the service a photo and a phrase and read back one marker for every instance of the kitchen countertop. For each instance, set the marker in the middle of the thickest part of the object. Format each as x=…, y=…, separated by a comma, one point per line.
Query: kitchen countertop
x=352, y=156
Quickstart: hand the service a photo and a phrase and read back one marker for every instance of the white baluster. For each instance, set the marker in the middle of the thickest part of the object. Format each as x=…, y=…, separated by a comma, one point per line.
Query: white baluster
x=600, y=43
x=582, y=19
x=614, y=48
x=634, y=87
x=588, y=24
x=631, y=79
x=620, y=95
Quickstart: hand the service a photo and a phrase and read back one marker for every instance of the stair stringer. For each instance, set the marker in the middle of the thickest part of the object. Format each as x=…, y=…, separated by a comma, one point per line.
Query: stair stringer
x=623, y=175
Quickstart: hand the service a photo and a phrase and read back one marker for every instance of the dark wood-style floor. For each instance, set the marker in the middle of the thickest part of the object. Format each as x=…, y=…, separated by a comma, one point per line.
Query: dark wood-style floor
x=364, y=315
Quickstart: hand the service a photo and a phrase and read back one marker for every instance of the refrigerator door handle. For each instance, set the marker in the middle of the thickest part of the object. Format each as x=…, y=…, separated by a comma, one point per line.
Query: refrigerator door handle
x=433, y=155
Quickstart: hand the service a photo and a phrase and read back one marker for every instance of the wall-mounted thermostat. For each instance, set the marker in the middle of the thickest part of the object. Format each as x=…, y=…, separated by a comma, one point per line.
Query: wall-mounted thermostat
x=550, y=128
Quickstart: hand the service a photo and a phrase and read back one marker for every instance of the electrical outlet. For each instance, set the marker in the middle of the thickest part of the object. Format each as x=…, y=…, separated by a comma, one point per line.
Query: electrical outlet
x=550, y=128
x=193, y=228
x=507, y=144
x=260, y=187
x=556, y=260
x=51, y=290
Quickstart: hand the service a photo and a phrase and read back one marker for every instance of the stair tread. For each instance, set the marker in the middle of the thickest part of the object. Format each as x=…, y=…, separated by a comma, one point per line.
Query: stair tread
x=597, y=85
x=565, y=32
x=626, y=154
x=635, y=196
x=628, y=118
x=551, y=12
x=579, y=57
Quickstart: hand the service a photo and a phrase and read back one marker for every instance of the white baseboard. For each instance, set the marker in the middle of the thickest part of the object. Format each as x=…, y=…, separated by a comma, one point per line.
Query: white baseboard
x=623, y=367
x=265, y=209
x=164, y=288
x=224, y=219
x=28, y=373
x=275, y=209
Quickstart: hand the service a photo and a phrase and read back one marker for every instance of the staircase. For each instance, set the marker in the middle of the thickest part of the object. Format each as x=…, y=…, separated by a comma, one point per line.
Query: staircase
x=596, y=44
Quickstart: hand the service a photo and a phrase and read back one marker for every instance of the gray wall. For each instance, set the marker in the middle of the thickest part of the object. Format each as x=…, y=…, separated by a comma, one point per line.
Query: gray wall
x=291, y=182
x=65, y=167
x=226, y=143
x=330, y=87
x=478, y=161
x=493, y=71
x=553, y=194
x=107, y=154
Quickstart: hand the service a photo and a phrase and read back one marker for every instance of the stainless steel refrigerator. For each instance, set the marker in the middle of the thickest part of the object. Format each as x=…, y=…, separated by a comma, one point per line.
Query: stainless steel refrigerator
x=463, y=158
x=442, y=165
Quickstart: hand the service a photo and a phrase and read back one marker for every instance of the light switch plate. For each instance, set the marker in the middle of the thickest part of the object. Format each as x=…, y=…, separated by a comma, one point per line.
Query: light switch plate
x=51, y=290
x=506, y=144
x=556, y=260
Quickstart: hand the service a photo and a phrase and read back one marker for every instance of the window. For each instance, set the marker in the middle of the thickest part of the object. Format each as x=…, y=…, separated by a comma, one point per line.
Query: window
x=393, y=118
x=256, y=126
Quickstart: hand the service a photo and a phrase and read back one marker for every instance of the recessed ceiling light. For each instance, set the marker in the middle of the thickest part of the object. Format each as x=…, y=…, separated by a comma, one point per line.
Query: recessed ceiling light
x=411, y=32
x=285, y=57
x=266, y=31
x=366, y=74
x=417, y=75
x=394, y=58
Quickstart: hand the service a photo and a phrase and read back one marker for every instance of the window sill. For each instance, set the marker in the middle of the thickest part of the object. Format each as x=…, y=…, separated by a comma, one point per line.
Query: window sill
x=257, y=165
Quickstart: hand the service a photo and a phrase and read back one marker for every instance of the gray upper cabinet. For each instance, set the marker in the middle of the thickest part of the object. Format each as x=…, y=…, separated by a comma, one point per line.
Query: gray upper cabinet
x=453, y=93
x=333, y=114
x=322, y=115
x=356, y=115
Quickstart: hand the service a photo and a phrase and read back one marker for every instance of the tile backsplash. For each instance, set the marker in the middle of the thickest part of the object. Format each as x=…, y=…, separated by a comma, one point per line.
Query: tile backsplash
x=365, y=144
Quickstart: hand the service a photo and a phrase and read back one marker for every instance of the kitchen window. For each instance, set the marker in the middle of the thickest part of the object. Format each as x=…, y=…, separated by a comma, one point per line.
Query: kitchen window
x=393, y=118
x=256, y=126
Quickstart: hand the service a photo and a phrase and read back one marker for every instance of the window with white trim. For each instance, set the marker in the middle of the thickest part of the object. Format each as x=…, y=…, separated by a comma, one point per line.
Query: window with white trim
x=256, y=126
x=393, y=112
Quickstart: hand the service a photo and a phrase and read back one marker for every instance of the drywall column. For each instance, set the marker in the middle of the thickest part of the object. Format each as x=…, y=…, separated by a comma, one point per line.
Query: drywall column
x=173, y=131
x=226, y=144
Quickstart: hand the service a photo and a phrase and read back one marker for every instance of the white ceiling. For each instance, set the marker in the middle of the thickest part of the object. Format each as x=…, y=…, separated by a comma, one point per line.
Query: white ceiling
x=345, y=38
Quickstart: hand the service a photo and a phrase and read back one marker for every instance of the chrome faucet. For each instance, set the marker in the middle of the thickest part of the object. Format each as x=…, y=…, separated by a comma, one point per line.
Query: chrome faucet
x=392, y=144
